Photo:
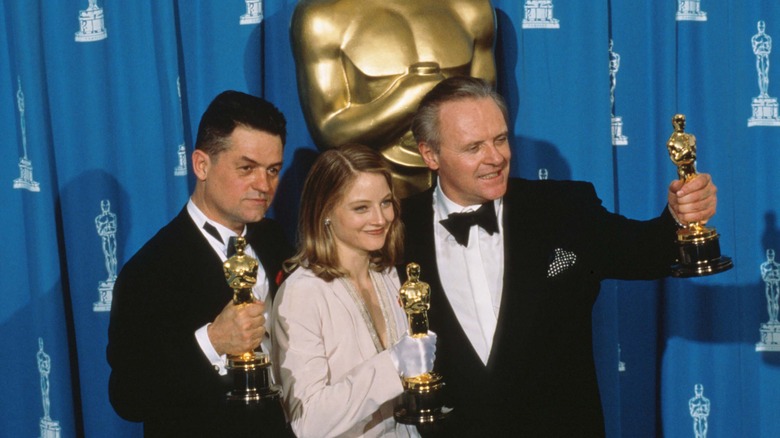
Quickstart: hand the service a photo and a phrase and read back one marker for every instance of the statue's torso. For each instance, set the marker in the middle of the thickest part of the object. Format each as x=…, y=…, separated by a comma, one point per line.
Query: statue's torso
x=381, y=44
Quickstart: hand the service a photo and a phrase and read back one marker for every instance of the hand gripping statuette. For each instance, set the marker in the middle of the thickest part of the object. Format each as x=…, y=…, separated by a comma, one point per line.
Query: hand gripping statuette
x=250, y=370
x=699, y=250
x=421, y=400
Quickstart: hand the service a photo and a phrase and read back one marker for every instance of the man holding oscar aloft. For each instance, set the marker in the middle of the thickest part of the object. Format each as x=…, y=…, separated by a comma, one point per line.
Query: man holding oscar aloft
x=515, y=267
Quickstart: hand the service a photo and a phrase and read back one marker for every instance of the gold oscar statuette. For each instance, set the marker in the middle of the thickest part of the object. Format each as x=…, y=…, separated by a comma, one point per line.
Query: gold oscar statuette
x=251, y=370
x=698, y=246
x=421, y=402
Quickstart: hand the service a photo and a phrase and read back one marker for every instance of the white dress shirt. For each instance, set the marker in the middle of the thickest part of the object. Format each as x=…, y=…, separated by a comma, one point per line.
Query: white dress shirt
x=472, y=275
x=260, y=289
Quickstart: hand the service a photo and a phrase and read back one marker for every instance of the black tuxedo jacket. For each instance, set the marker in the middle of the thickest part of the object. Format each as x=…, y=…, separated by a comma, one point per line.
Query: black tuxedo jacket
x=540, y=379
x=172, y=286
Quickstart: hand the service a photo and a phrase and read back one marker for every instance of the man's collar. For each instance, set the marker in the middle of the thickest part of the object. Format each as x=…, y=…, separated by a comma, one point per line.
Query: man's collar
x=200, y=219
x=446, y=206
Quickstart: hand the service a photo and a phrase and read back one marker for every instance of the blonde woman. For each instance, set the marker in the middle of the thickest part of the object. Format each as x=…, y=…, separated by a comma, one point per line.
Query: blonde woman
x=339, y=332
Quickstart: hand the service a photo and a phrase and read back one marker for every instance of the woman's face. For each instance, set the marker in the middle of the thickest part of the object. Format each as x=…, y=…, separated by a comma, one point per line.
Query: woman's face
x=361, y=220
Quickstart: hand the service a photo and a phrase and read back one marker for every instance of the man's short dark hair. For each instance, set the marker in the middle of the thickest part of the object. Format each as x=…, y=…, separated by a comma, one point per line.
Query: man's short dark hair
x=234, y=108
x=425, y=124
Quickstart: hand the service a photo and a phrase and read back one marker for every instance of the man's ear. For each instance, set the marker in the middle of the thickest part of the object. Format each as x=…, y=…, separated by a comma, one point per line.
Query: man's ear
x=200, y=164
x=429, y=156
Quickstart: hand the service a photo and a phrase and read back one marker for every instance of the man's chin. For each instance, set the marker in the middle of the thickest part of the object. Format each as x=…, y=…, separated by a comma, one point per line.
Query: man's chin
x=496, y=190
x=257, y=217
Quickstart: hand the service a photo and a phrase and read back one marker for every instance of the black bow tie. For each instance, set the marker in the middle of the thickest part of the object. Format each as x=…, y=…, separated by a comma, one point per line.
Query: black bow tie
x=459, y=224
x=231, y=243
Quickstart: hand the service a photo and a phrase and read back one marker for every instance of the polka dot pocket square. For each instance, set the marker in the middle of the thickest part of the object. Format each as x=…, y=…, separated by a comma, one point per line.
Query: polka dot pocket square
x=561, y=261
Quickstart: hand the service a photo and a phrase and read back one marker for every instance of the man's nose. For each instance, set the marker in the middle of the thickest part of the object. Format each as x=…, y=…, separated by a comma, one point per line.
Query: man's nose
x=493, y=155
x=261, y=182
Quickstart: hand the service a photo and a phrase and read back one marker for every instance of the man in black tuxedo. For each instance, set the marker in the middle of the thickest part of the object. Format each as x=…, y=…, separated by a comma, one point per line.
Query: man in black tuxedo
x=512, y=297
x=172, y=317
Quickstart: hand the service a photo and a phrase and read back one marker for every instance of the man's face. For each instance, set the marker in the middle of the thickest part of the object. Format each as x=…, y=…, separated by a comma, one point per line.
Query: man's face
x=473, y=160
x=238, y=184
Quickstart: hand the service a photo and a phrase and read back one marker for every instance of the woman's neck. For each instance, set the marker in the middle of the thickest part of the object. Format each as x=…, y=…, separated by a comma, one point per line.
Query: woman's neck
x=356, y=264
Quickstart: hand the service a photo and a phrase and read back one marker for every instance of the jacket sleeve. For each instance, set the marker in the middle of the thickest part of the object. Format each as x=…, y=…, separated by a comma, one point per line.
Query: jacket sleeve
x=620, y=247
x=157, y=368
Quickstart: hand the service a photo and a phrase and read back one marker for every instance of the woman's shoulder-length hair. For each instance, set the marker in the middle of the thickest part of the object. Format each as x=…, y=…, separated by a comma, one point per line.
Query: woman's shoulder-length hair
x=329, y=179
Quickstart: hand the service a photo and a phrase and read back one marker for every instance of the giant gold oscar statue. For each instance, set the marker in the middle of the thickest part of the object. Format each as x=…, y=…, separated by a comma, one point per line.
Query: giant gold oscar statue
x=698, y=246
x=364, y=65
x=421, y=402
x=250, y=370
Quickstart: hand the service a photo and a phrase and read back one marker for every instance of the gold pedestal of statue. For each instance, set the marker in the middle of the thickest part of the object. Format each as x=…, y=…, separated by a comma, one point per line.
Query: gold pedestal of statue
x=421, y=402
x=251, y=370
x=410, y=173
x=698, y=246
x=251, y=378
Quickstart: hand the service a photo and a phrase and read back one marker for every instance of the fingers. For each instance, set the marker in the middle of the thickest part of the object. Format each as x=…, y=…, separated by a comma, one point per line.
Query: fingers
x=428, y=352
x=675, y=186
x=238, y=328
x=249, y=325
x=700, y=183
x=413, y=356
x=694, y=201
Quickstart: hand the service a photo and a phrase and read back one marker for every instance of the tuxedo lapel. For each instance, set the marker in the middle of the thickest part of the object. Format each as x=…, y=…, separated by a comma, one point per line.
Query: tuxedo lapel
x=267, y=253
x=201, y=258
x=506, y=294
x=517, y=311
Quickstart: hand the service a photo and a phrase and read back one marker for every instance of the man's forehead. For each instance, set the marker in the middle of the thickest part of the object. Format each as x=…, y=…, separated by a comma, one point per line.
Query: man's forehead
x=472, y=119
x=251, y=156
x=469, y=108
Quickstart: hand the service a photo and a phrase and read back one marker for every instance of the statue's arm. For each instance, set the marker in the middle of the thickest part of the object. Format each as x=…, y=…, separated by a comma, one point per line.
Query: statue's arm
x=479, y=18
x=325, y=95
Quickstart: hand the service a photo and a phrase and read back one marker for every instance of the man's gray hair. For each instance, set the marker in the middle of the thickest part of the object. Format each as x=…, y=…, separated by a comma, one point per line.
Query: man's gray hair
x=425, y=124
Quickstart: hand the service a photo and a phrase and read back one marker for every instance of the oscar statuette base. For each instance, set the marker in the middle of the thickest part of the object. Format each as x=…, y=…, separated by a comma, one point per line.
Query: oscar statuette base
x=699, y=254
x=251, y=379
x=421, y=400
x=50, y=428
x=770, y=337
x=254, y=406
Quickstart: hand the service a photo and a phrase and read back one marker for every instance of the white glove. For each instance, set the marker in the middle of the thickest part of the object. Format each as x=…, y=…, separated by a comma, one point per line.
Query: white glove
x=414, y=356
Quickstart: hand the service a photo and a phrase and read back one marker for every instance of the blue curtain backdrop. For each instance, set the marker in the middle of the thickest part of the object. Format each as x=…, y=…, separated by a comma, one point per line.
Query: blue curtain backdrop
x=100, y=100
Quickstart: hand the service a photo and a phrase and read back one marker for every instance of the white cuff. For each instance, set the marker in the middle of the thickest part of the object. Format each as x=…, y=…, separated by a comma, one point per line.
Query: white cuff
x=202, y=336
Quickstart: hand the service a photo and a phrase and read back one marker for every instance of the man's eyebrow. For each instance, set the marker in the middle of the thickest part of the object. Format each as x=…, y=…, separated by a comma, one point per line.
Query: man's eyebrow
x=250, y=160
x=256, y=163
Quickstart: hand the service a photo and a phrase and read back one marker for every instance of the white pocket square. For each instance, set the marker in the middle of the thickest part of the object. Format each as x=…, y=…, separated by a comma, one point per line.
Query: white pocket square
x=562, y=261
